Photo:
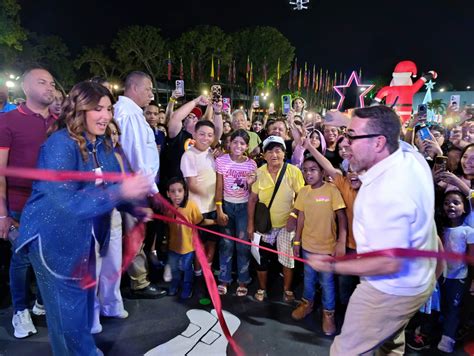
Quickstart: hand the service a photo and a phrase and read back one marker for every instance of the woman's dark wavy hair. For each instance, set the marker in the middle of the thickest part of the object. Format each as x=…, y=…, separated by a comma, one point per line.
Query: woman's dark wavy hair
x=84, y=96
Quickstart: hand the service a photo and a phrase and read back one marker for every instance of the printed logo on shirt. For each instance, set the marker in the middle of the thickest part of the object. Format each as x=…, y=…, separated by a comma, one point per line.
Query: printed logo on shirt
x=188, y=144
x=322, y=199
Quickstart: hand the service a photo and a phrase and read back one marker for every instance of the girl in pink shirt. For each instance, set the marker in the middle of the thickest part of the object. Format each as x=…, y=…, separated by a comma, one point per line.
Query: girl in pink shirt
x=235, y=175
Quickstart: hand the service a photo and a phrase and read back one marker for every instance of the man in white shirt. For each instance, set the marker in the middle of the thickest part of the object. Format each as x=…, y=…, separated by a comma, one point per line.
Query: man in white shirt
x=393, y=209
x=138, y=144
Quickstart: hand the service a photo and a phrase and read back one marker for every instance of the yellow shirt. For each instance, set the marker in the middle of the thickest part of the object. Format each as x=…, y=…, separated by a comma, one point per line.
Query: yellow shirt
x=319, y=206
x=349, y=196
x=282, y=205
x=181, y=237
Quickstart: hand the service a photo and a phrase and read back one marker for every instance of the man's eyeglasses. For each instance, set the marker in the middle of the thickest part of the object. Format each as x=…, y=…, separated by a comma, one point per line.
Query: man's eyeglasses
x=351, y=138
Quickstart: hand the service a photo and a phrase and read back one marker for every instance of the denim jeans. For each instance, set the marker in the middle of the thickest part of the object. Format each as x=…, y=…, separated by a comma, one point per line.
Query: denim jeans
x=20, y=276
x=452, y=294
x=69, y=307
x=181, y=265
x=237, y=226
x=347, y=284
x=311, y=277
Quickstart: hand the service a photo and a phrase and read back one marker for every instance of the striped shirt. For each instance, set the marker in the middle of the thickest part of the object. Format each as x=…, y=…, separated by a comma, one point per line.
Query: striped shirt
x=235, y=174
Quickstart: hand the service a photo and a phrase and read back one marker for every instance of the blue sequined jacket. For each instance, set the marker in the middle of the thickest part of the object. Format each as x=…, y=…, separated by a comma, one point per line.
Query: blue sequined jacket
x=61, y=215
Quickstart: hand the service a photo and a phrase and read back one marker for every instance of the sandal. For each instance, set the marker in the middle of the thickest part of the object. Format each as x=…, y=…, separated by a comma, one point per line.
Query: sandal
x=260, y=295
x=241, y=291
x=288, y=296
x=222, y=289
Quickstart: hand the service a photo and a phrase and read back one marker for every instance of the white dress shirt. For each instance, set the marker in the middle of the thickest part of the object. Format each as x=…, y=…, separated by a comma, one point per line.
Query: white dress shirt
x=394, y=208
x=137, y=139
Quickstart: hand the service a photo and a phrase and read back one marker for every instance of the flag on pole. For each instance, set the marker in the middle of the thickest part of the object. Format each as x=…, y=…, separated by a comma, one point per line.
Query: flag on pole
x=305, y=80
x=229, y=73
x=265, y=71
x=314, y=77
x=360, y=73
x=299, y=80
x=290, y=79
x=212, y=68
x=247, y=72
x=192, y=69
x=251, y=73
x=278, y=74
x=320, y=86
x=234, y=73
x=218, y=69
x=181, y=69
x=295, y=73
x=316, y=85
x=169, y=65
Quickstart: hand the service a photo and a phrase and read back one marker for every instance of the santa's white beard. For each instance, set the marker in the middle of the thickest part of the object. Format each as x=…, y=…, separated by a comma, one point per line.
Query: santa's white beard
x=398, y=81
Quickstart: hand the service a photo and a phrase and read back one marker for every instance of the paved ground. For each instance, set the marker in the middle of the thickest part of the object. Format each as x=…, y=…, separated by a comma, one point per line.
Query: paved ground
x=266, y=328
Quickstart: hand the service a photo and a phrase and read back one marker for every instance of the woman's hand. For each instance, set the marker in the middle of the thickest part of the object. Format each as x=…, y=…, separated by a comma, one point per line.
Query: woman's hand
x=136, y=187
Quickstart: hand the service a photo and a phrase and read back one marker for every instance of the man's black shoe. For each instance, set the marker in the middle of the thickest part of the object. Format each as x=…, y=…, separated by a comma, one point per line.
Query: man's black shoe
x=149, y=292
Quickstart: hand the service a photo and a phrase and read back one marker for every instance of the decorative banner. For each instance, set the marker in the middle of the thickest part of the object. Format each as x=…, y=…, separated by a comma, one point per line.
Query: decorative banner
x=181, y=69
x=218, y=69
x=299, y=80
x=365, y=88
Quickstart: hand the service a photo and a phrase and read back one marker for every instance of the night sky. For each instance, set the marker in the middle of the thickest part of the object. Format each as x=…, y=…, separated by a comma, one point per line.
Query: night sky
x=337, y=35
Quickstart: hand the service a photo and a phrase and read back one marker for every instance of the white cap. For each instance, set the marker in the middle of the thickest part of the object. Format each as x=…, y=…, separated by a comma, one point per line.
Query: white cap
x=273, y=139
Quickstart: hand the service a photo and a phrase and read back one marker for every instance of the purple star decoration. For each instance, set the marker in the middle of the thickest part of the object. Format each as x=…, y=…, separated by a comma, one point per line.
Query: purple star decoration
x=364, y=88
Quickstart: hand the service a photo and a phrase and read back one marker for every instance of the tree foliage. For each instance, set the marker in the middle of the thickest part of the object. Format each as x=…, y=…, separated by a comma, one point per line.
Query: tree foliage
x=200, y=45
x=11, y=33
x=262, y=45
x=140, y=47
x=97, y=61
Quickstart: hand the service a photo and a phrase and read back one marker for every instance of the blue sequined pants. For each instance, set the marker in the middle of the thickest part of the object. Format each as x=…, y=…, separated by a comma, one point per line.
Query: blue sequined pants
x=69, y=308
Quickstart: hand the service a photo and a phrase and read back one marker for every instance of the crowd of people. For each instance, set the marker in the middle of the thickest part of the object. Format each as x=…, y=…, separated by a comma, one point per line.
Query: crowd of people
x=307, y=186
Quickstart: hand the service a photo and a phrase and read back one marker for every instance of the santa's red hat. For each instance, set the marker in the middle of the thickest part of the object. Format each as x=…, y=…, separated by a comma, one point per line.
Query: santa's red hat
x=404, y=67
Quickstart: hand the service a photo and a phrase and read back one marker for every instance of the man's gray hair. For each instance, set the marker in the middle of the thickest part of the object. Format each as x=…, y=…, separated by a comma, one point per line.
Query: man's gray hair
x=239, y=111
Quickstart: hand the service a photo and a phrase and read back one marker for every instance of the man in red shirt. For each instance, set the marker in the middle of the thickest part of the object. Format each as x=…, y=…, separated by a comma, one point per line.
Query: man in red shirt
x=22, y=132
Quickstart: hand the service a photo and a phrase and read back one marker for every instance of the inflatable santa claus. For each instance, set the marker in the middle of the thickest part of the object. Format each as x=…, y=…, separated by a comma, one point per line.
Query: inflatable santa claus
x=399, y=94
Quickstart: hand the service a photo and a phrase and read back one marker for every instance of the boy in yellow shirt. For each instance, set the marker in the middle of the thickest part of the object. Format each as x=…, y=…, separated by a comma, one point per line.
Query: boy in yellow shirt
x=181, y=249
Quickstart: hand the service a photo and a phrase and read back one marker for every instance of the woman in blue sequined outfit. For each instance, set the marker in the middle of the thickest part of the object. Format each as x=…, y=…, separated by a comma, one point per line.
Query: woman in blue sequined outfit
x=61, y=220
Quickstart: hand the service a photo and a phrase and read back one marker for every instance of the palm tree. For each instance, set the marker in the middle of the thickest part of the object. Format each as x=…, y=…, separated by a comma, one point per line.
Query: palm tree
x=437, y=106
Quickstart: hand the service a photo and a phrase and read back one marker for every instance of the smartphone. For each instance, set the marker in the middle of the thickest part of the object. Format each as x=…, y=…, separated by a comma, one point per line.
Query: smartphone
x=440, y=163
x=424, y=133
x=256, y=101
x=216, y=93
x=286, y=103
x=226, y=104
x=422, y=111
x=454, y=102
x=13, y=233
x=180, y=87
x=271, y=108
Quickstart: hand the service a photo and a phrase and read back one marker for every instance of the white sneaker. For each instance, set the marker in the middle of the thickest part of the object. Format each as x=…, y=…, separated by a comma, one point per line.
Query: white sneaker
x=122, y=315
x=167, y=277
x=23, y=324
x=38, y=309
x=96, y=329
x=446, y=344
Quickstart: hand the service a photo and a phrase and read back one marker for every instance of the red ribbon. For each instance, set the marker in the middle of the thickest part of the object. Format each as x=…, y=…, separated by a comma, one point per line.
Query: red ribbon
x=136, y=237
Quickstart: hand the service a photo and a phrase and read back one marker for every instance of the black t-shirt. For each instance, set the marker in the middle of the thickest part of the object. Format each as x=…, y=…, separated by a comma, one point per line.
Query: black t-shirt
x=174, y=150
